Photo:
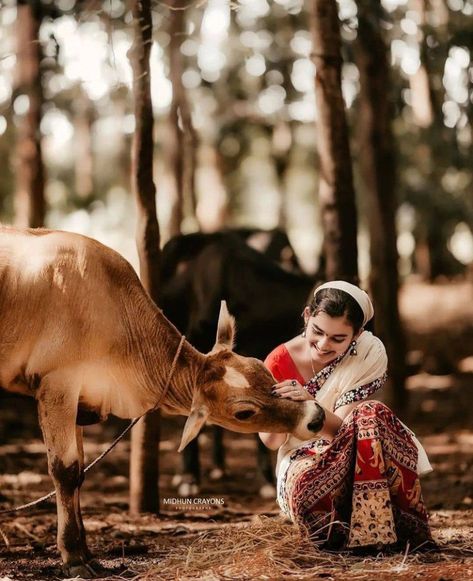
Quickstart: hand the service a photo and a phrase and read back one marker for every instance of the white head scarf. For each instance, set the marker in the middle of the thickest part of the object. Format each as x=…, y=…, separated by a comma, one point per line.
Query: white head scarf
x=360, y=296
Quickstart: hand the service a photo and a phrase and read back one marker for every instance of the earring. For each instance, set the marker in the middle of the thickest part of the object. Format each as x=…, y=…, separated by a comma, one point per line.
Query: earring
x=353, y=350
x=303, y=332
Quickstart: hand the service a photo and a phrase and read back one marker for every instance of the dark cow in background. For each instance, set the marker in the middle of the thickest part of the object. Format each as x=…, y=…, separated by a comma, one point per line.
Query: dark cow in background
x=274, y=244
x=198, y=271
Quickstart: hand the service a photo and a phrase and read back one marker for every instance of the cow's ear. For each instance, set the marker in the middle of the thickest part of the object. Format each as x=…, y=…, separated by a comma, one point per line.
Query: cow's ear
x=194, y=424
x=225, y=329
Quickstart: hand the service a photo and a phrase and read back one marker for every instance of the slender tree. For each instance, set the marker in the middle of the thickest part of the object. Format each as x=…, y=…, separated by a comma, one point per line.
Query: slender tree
x=84, y=159
x=432, y=255
x=280, y=148
x=336, y=191
x=377, y=167
x=426, y=100
x=184, y=144
x=176, y=146
x=213, y=207
x=30, y=207
x=144, y=469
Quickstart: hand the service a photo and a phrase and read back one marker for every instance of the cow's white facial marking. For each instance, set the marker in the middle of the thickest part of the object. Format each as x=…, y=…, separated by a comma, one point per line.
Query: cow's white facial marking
x=234, y=378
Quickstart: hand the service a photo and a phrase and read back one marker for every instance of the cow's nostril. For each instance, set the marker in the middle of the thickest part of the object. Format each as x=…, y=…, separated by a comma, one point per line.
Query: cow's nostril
x=316, y=424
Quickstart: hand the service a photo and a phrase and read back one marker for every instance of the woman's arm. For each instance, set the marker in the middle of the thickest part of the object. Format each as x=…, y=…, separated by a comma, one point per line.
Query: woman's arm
x=272, y=441
x=343, y=411
x=332, y=423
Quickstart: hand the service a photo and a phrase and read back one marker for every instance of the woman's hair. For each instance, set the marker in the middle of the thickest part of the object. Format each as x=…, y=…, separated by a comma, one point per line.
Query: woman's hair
x=337, y=303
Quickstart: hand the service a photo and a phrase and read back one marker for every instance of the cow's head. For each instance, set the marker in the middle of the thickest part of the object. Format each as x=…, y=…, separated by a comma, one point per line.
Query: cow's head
x=235, y=393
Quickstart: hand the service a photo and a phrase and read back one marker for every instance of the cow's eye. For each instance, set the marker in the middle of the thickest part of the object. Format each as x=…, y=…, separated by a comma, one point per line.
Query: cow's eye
x=244, y=414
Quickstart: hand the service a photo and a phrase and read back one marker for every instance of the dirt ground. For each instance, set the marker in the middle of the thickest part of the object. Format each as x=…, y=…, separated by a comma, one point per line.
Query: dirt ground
x=227, y=540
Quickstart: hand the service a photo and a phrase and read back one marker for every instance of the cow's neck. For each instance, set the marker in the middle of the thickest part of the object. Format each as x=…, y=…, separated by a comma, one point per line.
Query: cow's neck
x=177, y=392
x=157, y=342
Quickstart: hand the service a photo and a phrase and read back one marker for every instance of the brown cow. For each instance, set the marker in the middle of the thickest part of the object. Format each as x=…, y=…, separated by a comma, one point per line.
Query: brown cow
x=79, y=333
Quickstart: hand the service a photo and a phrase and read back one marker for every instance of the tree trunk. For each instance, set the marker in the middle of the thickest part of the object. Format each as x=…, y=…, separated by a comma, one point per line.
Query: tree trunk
x=30, y=207
x=184, y=141
x=426, y=101
x=84, y=159
x=432, y=257
x=212, y=209
x=336, y=191
x=280, y=148
x=144, y=469
x=144, y=465
x=377, y=166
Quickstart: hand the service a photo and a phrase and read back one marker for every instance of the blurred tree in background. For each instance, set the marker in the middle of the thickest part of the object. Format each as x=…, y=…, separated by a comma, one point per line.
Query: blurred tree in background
x=144, y=473
x=28, y=89
x=378, y=173
x=336, y=192
x=237, y=81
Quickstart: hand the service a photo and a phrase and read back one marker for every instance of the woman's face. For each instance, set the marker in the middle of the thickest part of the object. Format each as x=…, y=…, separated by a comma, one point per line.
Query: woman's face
x=328, y=337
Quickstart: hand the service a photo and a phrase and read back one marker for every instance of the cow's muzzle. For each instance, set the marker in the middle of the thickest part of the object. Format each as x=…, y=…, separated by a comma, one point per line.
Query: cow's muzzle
x=318, y=419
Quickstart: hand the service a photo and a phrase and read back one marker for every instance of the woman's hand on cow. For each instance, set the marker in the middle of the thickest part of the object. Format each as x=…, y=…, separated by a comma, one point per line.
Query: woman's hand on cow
x=291, y=389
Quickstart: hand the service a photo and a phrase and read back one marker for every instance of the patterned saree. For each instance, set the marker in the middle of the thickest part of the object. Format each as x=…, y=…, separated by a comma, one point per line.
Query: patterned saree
x=362, y=488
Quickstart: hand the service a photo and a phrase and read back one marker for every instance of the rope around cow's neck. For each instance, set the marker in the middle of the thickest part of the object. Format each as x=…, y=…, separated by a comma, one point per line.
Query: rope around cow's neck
x=117, y=439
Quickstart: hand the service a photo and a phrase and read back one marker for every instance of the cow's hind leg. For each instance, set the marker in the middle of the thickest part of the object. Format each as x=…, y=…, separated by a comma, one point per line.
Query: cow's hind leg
x=57, y=407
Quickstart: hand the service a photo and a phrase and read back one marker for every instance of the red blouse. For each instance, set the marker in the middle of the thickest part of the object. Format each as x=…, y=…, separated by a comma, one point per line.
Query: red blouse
x=282, y=366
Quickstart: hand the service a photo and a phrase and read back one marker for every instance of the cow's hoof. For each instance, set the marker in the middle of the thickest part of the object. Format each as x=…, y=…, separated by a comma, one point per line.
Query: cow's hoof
x=82, y=571
x=216, y=474
x=99, y=569
x=188, y=489
x=267, y=491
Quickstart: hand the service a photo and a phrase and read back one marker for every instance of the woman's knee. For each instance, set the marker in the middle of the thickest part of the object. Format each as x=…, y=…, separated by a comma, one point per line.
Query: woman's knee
x=373, y=406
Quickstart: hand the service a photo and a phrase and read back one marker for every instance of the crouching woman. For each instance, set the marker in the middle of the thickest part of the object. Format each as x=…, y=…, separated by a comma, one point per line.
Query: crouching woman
x=357, y=485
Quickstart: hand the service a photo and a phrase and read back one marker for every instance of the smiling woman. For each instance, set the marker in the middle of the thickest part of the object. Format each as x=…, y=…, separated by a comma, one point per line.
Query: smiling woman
x=356, y=484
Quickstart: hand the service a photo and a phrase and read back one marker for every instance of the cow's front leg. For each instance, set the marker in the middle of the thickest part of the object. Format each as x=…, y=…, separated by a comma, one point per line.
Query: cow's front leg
x=57, y=413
